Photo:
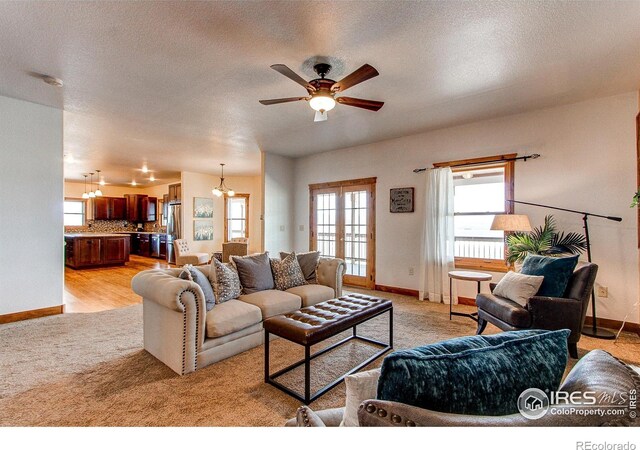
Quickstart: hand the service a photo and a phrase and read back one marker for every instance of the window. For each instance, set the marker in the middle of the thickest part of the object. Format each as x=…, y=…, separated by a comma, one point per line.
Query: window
x=74, y=212
x=236, y=216
x=480, y=192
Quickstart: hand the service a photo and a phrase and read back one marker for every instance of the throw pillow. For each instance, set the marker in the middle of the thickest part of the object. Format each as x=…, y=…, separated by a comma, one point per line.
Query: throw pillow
x=197, y=276
x=556, y=272
x=287, y=272
x=518, y=287
x=481, y=375
x=226, y=282
x=360, y=386
x=308, y=263
x=254, y=272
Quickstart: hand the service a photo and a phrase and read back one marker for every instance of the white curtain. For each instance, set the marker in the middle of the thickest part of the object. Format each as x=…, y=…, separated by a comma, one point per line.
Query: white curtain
x=438, y=236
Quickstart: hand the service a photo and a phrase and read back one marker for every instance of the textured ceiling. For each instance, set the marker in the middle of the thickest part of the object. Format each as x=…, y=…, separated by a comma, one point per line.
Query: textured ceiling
x=177, y=84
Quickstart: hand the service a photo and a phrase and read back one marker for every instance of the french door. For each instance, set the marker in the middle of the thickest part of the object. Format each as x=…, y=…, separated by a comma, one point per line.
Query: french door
x=342, y=225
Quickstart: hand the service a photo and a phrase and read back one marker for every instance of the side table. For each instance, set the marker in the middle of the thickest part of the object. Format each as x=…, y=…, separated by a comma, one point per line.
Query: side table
x=465, y=276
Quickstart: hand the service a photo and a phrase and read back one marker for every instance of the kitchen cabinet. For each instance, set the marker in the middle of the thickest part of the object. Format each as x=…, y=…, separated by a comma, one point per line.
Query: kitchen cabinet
x=149, y=209
x=141, y=208
x=93, y=251
x=175, y=193
x=144, y=245
x=109, y=208
x=116, y=249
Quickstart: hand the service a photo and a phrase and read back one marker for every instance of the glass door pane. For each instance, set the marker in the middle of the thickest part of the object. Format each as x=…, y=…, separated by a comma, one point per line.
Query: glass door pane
x=355, y=233
x=326, y=224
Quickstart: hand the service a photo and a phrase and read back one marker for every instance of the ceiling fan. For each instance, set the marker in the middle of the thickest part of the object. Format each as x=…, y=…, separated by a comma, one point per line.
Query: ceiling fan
x=322, y=90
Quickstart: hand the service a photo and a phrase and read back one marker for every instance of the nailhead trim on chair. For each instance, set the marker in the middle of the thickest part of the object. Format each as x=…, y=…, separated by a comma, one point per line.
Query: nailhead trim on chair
x=184, y=331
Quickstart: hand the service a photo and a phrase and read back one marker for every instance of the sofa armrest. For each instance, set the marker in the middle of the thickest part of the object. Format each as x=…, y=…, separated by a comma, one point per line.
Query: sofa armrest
x=330, y=272
x=165, y=288
x=174, y=316
x=379, y=413
x=555, y=313
x=322, y=418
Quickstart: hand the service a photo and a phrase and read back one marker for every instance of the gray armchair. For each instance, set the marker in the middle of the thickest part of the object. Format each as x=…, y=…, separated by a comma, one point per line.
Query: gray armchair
x=546, y=313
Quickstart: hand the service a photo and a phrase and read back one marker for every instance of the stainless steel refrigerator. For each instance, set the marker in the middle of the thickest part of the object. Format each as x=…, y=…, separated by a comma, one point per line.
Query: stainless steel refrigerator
x=174, y=230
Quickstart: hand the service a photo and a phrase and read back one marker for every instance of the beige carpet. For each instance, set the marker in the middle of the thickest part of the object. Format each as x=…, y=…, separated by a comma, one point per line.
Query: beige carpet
x=91, y=370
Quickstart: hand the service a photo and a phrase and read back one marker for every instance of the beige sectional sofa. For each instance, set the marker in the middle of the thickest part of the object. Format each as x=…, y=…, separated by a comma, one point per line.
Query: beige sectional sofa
x=182, y=334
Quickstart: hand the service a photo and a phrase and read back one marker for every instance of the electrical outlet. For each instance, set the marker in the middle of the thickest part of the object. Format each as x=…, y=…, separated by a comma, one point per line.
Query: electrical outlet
x=602, y=291
x=281, y=227
x=411, y=271
x=300, y=227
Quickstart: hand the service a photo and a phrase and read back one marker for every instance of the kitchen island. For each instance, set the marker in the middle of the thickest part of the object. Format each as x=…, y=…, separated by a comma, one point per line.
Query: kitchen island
x=85, y=250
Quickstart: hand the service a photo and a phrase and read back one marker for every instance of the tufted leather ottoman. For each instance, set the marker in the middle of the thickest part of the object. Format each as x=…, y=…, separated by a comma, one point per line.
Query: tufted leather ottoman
x=313, y=324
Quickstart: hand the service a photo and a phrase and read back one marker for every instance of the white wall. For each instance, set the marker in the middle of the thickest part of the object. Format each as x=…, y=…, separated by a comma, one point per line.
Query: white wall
x=31, y=244
x=588, y=163
x=278, y=188
x=200, y=185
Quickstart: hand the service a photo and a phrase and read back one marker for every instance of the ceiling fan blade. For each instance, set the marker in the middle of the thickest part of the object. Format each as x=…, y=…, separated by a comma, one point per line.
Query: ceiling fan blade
x=371, y=105
x=284, y=70
x=362, y=74
x=275, y=101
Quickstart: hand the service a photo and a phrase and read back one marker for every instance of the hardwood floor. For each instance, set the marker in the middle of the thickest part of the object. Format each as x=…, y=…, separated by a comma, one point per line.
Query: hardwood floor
x=91, y=290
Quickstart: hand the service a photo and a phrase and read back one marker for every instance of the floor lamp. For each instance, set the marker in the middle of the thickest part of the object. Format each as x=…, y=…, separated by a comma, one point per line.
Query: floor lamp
x=593, y=330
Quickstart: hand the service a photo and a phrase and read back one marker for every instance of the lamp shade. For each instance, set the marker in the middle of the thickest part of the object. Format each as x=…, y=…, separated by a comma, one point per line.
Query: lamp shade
x=511, y=222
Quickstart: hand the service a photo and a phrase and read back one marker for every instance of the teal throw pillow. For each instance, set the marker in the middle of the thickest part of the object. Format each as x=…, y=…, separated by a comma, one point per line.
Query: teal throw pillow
x=481, y=375
x=556, y=272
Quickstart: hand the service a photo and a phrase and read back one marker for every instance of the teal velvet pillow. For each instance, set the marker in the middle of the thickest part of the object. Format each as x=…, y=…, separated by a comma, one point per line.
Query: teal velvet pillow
x=556, y=272
x=481, y=375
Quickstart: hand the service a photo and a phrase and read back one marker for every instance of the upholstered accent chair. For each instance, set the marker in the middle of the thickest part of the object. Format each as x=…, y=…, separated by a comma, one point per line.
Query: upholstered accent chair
x=546, y=313
x=233, y=249
x=186, y=256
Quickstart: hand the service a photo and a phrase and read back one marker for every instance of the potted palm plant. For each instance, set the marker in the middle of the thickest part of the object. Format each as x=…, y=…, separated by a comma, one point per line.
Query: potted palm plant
x=544, y=240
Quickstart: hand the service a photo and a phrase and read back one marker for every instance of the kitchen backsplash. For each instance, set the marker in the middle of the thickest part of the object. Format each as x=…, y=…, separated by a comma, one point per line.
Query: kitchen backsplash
x=111, y=226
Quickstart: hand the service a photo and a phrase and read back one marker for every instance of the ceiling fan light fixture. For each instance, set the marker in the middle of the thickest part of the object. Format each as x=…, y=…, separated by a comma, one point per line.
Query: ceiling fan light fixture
x=322, y=102
x=320, y=116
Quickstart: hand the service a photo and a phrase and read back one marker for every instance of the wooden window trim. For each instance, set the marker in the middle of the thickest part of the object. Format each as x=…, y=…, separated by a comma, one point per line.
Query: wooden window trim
x=226, y=215
x=84, y=214
x=492, y=265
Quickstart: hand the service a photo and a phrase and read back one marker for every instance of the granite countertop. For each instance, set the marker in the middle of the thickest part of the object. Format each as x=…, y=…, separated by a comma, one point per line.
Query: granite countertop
x=76, y=235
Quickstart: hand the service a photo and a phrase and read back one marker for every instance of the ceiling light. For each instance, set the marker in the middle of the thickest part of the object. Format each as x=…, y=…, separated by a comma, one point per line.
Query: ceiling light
x=222, y=188
x=133, y=183
x=102, y=183
x=84, y=194
x=322, y=102
x=91, y=193
x=52, y=81
x=145, y=169
x=152, y=178
x=98, y=192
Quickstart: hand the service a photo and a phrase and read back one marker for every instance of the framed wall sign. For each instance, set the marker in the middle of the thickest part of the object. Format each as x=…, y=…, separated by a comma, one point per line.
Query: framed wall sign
x=401, y=200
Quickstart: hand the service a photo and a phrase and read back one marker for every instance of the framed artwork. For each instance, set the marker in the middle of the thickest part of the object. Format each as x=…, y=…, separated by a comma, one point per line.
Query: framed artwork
x=202, y=208
x=401, y=200
x=202, y=230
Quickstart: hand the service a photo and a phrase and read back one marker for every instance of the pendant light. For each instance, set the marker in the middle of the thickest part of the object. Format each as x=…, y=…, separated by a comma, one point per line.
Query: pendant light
x=98, y=191
x=85, y=195
x=222, y=188
x=91, y=193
